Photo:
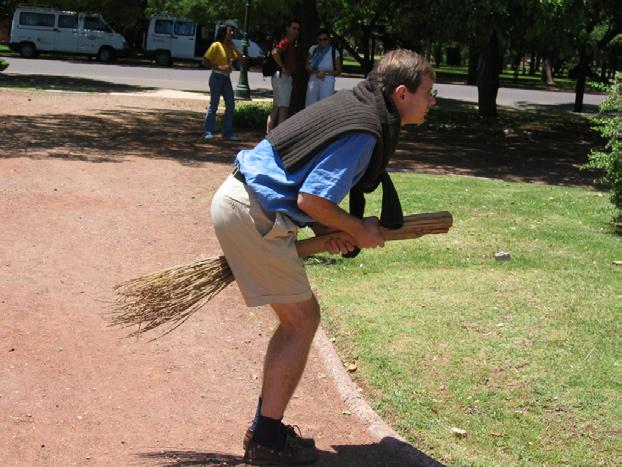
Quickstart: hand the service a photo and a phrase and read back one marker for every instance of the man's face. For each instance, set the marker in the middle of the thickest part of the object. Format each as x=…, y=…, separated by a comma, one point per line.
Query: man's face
x=413, y=106
x=293, y=30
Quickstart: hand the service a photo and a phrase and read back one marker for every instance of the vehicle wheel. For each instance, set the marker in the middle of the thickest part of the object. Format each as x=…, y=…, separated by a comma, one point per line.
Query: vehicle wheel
x=163, y=58
x=106, y=55
x=28, y=50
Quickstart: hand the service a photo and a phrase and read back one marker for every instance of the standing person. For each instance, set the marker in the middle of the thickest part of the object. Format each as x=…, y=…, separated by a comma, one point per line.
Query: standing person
x=220, y=57
x=296, y=177
x=284, y=55
x=323, y=65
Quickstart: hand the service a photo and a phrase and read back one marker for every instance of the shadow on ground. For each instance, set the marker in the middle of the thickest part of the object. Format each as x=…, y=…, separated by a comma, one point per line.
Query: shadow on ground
x=114, y=136
x=368, y=455
x=65, y=83
x=524, y=145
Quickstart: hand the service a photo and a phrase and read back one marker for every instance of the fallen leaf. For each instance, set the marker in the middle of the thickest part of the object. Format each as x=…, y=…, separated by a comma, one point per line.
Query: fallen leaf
x=458, y=432
x=346, y=412
x=351, y=367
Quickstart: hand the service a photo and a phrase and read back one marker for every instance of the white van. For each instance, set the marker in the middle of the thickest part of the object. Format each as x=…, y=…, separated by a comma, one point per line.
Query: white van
x=38, y=29
x=170, y=37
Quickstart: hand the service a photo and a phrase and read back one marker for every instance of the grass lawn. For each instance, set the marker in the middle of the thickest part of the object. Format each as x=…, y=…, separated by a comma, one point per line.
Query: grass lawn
x=455, y=74
x=523, y=355
x=458, y=74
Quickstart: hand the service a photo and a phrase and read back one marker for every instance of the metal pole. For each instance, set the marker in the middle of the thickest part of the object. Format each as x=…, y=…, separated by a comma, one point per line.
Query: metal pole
x=242, y=91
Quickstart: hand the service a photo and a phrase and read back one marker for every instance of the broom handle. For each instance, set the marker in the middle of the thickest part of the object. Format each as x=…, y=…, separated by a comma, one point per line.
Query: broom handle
x=414, y=226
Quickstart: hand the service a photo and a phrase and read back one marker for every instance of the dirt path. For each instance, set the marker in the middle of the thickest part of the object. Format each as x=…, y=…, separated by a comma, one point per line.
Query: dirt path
x=94, y=190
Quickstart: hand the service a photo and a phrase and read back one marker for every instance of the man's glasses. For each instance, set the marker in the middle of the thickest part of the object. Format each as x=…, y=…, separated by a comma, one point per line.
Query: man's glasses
x=322, y=39
x=434, y=93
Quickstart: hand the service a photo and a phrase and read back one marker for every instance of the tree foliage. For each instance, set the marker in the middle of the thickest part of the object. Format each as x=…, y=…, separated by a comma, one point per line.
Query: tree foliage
x=572, y=33
x=609, y=125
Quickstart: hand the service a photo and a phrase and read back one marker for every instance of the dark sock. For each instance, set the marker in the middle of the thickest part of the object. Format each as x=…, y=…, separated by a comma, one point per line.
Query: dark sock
x=269, y=432
x=257, y=413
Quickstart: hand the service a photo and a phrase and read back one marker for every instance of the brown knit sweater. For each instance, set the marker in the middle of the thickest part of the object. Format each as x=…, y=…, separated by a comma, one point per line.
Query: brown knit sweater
x=299, y=138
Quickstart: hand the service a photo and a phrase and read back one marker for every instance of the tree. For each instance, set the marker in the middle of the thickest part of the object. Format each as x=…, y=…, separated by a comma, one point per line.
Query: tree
x=306, y=12
x=596, y=28
x=359, y=25
x=609, y=124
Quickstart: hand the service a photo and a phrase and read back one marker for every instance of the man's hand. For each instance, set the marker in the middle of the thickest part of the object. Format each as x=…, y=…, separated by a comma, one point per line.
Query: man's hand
x=334, y=246
x=369, y=236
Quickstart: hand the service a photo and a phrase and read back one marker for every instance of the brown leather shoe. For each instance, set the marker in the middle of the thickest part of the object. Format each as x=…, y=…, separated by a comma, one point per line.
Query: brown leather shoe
x=292, y=429
x=293, y=453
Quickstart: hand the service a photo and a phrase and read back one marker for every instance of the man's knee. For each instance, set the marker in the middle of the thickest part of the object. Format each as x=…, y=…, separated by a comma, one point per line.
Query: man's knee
x=301, y=317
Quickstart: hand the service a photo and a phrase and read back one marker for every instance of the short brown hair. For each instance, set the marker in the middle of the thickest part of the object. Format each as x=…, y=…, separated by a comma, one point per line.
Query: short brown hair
x=401, y=66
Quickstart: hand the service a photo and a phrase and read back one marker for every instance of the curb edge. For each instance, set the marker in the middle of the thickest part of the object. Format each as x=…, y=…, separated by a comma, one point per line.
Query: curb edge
x=376, y=426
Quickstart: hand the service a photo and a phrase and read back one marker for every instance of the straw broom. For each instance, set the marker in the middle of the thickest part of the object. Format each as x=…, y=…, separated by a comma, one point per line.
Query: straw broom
x=169, y=297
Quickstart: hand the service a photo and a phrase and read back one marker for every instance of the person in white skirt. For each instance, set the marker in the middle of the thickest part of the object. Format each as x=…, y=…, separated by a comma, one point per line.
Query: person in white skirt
x=323, y=65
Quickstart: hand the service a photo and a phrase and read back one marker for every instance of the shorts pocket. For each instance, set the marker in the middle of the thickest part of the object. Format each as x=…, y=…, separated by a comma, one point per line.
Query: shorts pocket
x=282, y=228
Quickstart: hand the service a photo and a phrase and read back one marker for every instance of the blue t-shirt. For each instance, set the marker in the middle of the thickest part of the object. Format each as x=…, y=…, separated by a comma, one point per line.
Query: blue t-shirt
x=330, y=174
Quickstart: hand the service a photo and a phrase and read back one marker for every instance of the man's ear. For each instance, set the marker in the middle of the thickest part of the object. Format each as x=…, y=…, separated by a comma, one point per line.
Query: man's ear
x=399, y=93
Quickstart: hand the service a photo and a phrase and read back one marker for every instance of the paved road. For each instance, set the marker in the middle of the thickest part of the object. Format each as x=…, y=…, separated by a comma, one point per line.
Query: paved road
x=195, y=79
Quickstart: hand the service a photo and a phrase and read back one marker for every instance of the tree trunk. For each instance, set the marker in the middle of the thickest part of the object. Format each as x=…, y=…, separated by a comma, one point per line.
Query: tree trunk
x=603, y=71
x=454, y=57
x=306, y=9
x=516, y=65
x=581, y=77
x=438, y=54
x=474, y=54
x=367, y=63
x=532, y=63
x=488, y=71
x=344, y=44
x=372, y=54
x=559, y=63
x=547, y=71
x=614, y=66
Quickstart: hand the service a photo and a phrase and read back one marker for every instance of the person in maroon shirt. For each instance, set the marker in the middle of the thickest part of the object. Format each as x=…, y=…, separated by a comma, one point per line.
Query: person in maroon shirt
x=285, y=56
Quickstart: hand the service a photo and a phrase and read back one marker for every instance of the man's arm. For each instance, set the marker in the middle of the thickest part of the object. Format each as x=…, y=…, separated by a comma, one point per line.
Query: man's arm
x=278, y=58
x=364, y=233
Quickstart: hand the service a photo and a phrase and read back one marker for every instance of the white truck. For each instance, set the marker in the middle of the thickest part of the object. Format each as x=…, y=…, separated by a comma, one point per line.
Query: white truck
x=169, y=37
x=38, y=29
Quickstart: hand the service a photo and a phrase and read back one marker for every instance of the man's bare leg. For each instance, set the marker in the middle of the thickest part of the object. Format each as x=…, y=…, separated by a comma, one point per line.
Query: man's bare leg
x=287, y=354
x=283, y=114
x=272, y=119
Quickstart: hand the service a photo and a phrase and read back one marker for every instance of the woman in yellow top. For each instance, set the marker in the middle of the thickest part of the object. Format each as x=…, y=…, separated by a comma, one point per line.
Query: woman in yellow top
x=220, y=57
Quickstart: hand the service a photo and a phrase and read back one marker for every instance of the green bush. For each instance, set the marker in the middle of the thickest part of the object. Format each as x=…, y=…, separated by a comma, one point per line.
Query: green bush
x=609, y=124
x=3, y=65
x=251, y=116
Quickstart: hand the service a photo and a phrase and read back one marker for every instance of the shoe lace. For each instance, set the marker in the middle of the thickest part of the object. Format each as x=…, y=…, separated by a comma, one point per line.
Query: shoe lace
x=293, y=435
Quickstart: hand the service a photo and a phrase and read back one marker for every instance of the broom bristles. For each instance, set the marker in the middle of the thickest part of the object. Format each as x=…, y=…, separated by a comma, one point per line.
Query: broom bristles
x=168, y=297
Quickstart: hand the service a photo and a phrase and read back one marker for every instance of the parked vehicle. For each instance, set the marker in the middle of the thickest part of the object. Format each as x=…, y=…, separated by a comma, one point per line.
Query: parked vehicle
x=38, y=29
x=171, y=38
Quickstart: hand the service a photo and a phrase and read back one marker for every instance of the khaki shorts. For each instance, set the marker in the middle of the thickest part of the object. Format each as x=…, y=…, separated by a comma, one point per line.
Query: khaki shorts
x=282, y=89
x=260, y=247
